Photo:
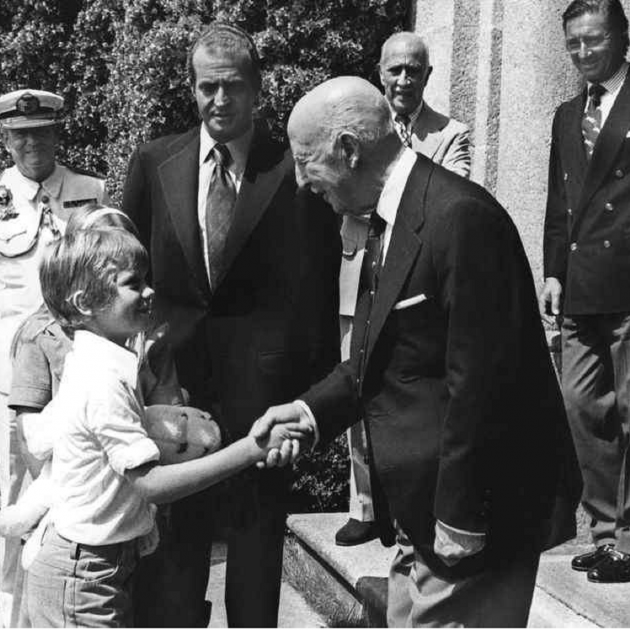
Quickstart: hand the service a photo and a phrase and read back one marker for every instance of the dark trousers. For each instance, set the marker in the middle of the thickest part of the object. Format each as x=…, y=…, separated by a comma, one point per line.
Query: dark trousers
x=254, y=557
x=595, y=381
x=170, y=584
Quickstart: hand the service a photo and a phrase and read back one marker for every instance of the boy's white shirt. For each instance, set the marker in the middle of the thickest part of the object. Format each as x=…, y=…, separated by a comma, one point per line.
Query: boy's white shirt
x=97, y=418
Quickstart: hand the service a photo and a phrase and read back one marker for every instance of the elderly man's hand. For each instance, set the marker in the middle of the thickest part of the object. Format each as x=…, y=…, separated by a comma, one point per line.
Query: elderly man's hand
x=300, y=420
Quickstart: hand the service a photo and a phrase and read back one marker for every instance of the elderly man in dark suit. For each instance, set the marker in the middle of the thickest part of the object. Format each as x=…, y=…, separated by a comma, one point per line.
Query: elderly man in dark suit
x=448, y=368
x=404, y=70
x=587, y=266
x=245, y=271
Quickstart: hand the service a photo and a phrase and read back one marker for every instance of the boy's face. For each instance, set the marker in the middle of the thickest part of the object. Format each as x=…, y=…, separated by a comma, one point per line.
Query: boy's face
x=129, y=311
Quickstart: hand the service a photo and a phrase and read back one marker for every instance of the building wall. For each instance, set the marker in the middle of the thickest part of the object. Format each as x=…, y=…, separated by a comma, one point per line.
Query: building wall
x=500, y=66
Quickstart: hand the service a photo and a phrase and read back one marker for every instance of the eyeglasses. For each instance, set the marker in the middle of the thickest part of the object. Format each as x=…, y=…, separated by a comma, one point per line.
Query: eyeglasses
x=574, y=44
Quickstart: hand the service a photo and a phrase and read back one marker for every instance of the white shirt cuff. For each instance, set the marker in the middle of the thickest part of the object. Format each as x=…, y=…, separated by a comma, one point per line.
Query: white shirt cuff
x=307, y=410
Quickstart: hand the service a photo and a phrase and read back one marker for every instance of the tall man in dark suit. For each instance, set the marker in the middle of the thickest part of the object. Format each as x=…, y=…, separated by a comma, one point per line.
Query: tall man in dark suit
x=448, y=368
x=587, y=271
x=250, y=294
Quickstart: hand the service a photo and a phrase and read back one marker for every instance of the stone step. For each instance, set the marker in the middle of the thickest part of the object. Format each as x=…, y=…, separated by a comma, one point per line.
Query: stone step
x=348, y=585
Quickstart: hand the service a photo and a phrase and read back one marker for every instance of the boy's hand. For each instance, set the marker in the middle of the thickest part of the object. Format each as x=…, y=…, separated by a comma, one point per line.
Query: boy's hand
x=298, y=432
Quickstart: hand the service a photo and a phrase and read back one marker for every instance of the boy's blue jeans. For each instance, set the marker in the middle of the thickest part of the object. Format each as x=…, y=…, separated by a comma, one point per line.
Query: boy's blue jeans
x=70, y=585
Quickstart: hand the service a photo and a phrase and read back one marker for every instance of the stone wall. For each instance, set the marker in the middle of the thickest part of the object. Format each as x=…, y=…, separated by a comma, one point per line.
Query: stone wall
x=500, y=66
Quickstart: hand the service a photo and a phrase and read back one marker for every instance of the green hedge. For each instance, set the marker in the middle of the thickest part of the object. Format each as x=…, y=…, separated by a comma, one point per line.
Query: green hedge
x=120, y=65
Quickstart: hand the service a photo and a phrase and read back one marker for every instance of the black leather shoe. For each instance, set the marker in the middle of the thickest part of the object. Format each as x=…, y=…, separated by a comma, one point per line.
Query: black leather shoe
x=615, y=567
x=356, y=533
x=587, y=561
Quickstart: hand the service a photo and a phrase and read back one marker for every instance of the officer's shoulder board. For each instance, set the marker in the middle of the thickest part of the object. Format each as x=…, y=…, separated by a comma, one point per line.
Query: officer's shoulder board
x=84, y=171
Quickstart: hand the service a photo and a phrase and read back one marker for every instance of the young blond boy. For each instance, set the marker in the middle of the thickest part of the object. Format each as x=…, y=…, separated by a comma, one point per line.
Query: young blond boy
x=105, y=467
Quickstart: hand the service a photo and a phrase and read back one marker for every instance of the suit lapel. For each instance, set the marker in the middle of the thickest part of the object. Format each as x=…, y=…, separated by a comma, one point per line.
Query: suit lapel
x=263, y=175
x=179, y=176
x=574, y=138
x=610, y=140
x=404, y=247
x=427, y=130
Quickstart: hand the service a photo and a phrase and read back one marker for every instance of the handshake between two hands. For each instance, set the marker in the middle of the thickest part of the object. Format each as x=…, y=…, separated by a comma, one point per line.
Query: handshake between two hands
x=283, y=432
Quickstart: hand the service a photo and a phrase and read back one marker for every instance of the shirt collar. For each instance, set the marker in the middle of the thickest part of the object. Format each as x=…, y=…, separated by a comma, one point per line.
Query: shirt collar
x=239, y=148
x=107, y=355
x=52, y=184
x=613, y=85
x=29, y=187
x=388, y=202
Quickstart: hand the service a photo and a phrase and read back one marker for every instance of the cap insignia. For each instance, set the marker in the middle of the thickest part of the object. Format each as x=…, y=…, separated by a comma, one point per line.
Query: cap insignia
x=27, y=104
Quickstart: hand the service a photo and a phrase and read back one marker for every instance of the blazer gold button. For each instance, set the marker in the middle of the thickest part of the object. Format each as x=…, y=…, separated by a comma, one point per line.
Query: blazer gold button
x=566, y=176
x=608, y=206
x=606, y=244
x=573, y=247
x=619, y=173
x=569, y=211
x=45, y=198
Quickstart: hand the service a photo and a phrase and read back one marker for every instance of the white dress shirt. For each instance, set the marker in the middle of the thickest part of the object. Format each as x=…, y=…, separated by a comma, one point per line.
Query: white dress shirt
x=613, y=87
x=98, y=415
x=239, y=150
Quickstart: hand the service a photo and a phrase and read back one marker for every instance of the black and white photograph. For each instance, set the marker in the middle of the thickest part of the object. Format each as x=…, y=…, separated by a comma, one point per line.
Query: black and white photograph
x=313, y=313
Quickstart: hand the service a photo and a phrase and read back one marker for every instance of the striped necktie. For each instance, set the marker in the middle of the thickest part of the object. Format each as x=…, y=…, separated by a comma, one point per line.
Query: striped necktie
x=219, y=211
x=401, y=121
x=592, y=119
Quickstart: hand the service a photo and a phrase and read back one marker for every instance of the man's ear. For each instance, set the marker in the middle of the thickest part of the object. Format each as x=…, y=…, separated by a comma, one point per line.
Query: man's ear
x=350, y=148
x=429, y=71
x=380, y=74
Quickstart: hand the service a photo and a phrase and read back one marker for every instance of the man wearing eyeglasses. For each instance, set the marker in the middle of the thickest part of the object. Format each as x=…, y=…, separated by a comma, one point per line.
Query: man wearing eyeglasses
x=587, y=273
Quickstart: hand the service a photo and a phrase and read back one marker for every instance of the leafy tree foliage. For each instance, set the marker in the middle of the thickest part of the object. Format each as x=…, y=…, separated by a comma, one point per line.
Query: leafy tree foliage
x=121, y=66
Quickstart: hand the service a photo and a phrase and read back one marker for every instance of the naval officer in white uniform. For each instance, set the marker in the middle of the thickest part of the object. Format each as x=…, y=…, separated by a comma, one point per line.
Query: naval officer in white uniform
x=37, y=195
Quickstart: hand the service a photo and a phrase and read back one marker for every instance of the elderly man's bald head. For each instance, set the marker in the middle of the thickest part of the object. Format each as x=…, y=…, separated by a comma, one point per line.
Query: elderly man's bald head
x=342, y=104
x=406, y=41
x=343, y=138
x=404, y=70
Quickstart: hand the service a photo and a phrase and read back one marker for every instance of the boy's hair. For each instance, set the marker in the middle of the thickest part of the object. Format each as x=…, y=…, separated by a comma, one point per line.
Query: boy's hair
x=95, y=216
x=78, y=272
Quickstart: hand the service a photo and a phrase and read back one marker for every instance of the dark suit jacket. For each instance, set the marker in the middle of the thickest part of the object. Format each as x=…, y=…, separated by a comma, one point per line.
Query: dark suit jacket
x=587, y=225
x=269, y=329
x=464, y=414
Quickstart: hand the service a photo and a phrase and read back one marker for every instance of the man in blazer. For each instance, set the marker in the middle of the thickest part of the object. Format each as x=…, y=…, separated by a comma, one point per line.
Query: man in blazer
x=404, y=70
x=587, y=266
x=252, y=318
x=448, y=368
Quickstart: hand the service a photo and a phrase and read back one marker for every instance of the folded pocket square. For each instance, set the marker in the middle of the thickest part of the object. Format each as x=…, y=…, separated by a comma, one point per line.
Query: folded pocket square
x=416, y=299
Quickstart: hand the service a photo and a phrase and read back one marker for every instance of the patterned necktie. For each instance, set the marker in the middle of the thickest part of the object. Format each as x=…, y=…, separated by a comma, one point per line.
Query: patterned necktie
x=401, y=121
x=219, y=211
x=592, y=119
